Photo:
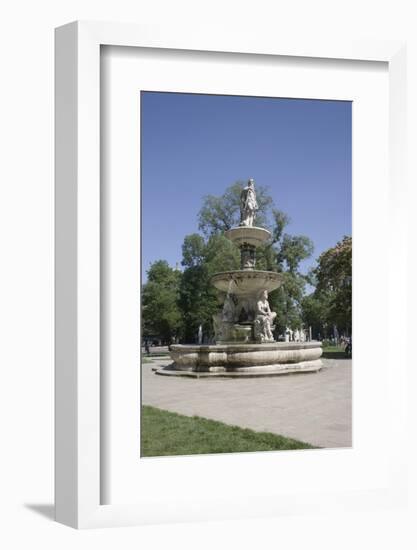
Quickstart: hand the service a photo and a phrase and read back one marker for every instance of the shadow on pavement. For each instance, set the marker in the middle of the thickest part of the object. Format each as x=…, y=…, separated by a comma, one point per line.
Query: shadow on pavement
x=335, y=355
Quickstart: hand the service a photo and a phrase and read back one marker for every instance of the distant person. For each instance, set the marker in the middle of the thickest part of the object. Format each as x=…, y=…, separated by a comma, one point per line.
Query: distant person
x=348, y=348
x=147, y=347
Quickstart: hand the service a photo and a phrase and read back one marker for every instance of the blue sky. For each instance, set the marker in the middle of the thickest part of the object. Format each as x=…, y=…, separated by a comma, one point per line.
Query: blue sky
x=194, y=145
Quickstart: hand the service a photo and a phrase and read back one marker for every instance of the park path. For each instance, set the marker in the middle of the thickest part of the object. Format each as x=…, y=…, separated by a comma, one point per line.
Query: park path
x=312, y=407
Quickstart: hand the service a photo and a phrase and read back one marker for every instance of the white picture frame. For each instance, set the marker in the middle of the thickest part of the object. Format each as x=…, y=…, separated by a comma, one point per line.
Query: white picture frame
x=78, y=260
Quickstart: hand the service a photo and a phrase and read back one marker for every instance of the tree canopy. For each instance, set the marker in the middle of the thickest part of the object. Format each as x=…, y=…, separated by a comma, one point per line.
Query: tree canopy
x=161, y=315
x=331, y=303
x=198, y=299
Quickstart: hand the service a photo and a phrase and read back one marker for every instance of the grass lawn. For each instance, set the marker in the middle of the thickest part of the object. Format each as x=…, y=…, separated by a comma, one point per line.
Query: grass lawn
x=334, y=352
x=165, y=433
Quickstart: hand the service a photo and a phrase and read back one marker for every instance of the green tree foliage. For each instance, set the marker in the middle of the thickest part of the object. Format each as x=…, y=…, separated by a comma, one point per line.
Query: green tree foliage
x=314, y=312
x=161, y=315
x=198, y=299
x=334, y=270
x=331, y=303
x=293, y=250
x=221, y=255
x=280, y=222
x=193, y=250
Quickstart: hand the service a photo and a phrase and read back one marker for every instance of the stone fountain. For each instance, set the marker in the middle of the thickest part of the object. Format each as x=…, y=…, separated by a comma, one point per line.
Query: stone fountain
x=245, y=344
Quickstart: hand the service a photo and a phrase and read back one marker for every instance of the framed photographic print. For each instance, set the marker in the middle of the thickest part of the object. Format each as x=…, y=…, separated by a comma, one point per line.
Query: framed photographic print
x=217, y=280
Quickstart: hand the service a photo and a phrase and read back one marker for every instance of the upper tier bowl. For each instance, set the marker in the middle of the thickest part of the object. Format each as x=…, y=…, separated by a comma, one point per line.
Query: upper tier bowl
x=254, y=236
x=246, y=282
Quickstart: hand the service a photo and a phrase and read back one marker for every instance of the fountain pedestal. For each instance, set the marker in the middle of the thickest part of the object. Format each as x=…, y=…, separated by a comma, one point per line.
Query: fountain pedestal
x=243, y=289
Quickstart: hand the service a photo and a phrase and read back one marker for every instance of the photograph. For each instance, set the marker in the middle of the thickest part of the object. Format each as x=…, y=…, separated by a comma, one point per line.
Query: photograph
x=246, y=274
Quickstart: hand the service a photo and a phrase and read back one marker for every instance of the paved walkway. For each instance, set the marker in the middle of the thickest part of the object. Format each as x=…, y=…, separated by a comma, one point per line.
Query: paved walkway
x=311, y=407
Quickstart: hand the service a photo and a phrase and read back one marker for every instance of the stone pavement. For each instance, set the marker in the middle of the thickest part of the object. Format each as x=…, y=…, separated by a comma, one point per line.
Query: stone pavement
x=313, y=407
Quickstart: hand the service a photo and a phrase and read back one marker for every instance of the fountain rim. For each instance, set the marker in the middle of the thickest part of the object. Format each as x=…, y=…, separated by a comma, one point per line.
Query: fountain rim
x=252, y=235
x=247, y=347
x=257, y=279
x=248, y=271
x=248, y=229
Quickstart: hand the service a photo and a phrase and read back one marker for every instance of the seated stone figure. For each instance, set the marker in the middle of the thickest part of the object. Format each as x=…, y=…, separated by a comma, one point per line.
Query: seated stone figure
x=264, y=319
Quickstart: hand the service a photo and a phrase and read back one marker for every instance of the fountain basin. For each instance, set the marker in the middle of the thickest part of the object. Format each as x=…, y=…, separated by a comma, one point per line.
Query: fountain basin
x=253, y=236
x=245, y=282
x=244, y=359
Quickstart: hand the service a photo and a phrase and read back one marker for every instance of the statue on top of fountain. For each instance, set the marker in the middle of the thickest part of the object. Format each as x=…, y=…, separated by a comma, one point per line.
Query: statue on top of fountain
x=248, y=204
